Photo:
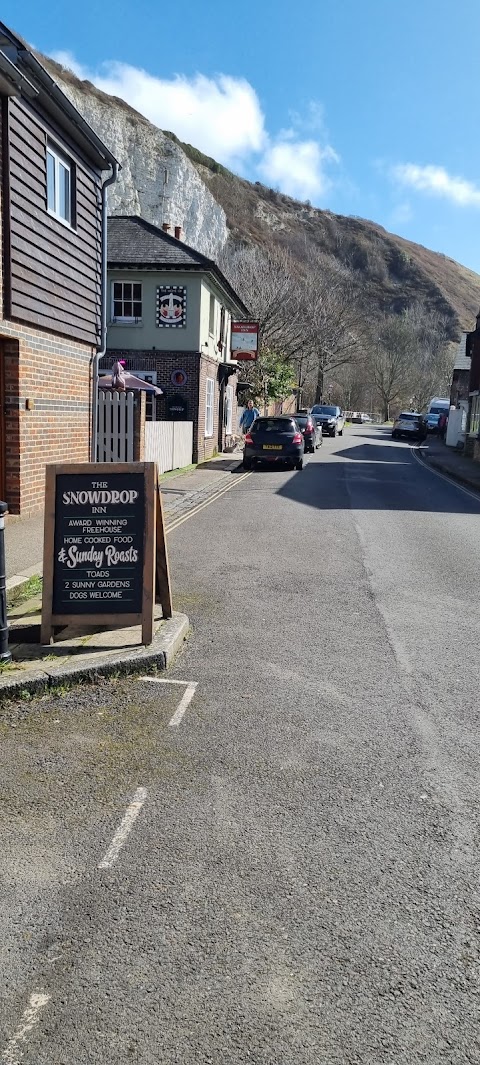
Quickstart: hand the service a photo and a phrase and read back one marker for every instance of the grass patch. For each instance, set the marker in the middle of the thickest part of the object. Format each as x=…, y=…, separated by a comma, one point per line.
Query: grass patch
x=177, y=473
x=30, y=588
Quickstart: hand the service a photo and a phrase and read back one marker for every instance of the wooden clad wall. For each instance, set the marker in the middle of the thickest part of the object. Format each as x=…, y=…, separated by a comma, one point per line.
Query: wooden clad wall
x=54, y=275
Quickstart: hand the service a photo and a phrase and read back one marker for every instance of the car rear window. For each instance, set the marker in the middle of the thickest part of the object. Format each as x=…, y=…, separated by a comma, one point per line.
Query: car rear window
x=302, y=419
x=273, y=425
x=332, y=411
x=407, y=417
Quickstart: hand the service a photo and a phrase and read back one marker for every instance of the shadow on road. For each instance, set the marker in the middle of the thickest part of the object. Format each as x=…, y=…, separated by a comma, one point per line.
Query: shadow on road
x=376, y=477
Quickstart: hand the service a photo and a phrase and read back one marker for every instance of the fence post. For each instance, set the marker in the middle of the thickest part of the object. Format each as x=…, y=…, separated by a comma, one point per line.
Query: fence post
x=5, y=654
x=139, y=428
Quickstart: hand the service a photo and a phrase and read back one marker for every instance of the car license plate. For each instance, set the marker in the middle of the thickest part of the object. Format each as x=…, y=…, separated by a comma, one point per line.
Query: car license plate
x=272, y=447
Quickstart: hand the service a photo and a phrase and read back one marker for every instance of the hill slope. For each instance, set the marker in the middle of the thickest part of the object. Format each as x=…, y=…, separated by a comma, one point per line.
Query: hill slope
x=213, y=204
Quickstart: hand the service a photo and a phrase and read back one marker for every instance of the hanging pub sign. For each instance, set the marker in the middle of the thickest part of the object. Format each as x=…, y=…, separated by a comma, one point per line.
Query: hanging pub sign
x=244, y=341
x=104, y=546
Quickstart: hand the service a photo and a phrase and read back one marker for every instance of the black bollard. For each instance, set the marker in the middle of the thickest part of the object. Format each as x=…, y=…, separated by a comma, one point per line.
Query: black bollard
x=5, y=655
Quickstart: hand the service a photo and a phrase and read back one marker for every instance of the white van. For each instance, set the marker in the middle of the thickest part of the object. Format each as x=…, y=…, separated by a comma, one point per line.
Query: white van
x=436, y=407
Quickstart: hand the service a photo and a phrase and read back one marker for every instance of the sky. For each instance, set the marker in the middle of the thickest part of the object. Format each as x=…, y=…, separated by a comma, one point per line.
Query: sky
x=364, y=107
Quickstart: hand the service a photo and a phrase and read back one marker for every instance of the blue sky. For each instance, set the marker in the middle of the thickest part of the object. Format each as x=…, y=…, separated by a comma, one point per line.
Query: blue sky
x=367, y=108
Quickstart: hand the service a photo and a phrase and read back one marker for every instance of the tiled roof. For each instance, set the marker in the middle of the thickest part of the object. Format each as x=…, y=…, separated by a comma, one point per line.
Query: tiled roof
x=462, y=361
x=135, y=242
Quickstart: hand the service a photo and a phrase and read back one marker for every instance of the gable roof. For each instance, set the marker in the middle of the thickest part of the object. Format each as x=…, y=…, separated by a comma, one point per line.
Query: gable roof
x=21, y=74
x=133, y=242
x=462, y=361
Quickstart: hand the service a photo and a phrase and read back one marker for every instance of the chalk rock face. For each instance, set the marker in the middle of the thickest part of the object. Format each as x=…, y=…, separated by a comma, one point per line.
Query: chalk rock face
x=157, y=180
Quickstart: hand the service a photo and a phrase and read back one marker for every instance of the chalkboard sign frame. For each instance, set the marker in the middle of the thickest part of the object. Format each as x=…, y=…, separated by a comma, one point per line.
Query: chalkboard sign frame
x=155, y=572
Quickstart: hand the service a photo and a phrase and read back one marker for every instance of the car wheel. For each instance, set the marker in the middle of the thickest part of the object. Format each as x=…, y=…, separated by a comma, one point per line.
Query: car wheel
x=247, y=464
x=340, y=432
x=299, y=464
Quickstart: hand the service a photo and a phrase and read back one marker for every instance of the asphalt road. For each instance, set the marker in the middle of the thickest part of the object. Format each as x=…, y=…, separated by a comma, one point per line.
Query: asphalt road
x=297, y=879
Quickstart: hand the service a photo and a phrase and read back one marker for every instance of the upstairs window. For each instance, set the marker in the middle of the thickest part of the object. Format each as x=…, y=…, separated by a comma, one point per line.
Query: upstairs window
x=59, y=185
x=211, y=316
x=126, y=301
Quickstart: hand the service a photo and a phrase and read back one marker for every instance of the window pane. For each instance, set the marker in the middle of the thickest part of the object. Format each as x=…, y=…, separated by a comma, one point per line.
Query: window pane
x=127, y=291
x=127, y=309
x=63, y=191
x=50, y=182
x=137, y=310
x=117, y=308
x=117, y=290
x=137, y=292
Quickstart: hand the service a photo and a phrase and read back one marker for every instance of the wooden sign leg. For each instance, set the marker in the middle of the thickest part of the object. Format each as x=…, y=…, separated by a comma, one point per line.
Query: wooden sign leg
x=162, y=573
x=149, y=553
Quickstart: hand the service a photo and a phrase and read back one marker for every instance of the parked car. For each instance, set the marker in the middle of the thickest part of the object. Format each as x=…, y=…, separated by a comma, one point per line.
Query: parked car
x=312, y=431
x=436, y=408
x=409, y=424
x=275, y=439
x=331, y=419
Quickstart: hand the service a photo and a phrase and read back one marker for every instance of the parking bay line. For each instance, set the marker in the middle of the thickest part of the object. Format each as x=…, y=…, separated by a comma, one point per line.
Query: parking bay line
x=13, y=1053
x=191, y=687
x=124, y=829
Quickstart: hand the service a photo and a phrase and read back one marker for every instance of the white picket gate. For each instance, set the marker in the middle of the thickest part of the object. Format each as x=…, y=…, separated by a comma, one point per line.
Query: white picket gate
x=116, y=426
x=169, y=444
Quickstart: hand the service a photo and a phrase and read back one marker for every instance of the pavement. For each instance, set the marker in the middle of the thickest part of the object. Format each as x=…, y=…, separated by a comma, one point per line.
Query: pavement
x=268, y=854
x=451, y=462
x=80, y=654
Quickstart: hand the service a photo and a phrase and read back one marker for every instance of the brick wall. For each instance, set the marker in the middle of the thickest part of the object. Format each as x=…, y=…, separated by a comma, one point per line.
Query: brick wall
x=53, y=375
x=197, y=368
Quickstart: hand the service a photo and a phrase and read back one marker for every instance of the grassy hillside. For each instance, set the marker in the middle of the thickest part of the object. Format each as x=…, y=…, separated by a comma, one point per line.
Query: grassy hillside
x=395, y=271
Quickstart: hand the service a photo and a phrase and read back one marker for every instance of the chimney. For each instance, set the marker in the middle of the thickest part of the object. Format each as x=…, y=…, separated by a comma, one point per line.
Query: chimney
x=178, y=232
x=166, y=227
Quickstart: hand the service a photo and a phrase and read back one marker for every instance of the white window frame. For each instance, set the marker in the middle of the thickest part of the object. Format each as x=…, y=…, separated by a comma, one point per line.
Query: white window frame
x=209, y=403
x=125, y=319
x=229, y=410
x=60, y=161
x=150, y=397
x=212, y=315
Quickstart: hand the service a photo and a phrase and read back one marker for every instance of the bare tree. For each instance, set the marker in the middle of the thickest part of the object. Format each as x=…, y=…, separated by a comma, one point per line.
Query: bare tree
x=270, y=285
x=337, y=318
x=393, y=352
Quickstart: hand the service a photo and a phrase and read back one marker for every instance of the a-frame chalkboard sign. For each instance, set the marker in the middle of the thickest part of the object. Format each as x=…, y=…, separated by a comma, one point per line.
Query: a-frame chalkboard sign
x=105, y=555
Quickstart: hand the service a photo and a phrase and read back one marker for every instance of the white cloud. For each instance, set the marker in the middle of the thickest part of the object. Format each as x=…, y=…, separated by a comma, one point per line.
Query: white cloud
x=438, y=182
x=222, y=116
x=297, y=167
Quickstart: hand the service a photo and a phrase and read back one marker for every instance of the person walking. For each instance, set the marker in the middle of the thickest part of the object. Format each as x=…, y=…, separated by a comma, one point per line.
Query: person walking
x=248, y=417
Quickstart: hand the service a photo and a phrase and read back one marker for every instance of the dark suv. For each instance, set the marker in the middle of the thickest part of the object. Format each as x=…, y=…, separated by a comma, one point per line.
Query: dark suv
x=331, y=419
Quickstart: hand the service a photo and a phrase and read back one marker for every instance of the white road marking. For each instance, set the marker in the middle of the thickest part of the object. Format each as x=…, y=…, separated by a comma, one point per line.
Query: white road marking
x=163, y=680
x=450, y=480
x=13, y=1053
x=124, y=829
x=183, y=704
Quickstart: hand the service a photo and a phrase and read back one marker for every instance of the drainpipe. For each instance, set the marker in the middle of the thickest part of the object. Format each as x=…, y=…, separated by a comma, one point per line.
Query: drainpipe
x=95, y=359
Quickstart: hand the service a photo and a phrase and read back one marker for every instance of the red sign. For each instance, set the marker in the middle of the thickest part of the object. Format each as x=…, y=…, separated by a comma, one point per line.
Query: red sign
x=244, y=341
